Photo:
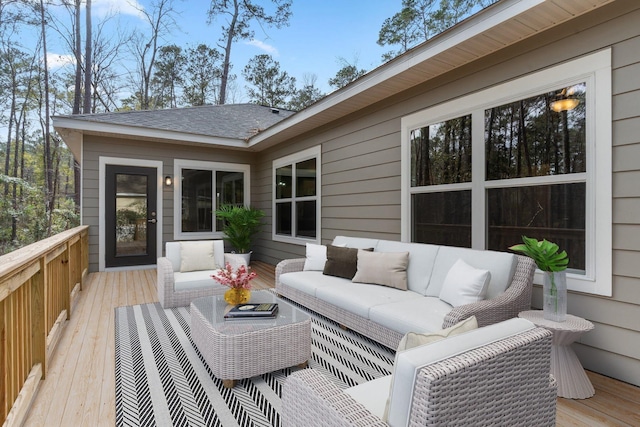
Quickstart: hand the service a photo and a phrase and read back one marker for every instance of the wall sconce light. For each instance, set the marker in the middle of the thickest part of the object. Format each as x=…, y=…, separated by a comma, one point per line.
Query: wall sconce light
x=168, y=180
x=564, y=102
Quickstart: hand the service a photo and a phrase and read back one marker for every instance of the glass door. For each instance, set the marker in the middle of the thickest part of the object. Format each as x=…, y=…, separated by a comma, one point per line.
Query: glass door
x=130, y=216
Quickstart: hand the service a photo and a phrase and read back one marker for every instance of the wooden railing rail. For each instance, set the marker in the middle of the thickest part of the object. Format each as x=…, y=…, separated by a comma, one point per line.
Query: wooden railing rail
x=38, y=286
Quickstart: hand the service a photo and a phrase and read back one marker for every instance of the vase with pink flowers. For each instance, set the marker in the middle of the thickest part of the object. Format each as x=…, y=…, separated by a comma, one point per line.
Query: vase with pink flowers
x=238, y=281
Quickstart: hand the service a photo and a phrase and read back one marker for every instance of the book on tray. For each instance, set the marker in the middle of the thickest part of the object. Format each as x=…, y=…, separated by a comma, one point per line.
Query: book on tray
x=255, y=310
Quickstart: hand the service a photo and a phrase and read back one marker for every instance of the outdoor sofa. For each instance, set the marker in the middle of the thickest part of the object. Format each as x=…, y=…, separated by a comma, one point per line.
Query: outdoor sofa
x=184, y=274
x=385, y=313
x=497, y=375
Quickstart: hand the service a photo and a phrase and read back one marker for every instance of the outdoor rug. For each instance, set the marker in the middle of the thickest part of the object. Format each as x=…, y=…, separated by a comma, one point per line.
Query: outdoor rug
x=161, y=379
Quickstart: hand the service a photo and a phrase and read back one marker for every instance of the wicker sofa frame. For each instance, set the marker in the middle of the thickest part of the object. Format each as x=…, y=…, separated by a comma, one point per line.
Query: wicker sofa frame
x=516, y=298
x=504, y=383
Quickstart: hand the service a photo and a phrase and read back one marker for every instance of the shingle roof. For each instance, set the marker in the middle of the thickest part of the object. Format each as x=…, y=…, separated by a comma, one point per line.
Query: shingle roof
x=236, y=121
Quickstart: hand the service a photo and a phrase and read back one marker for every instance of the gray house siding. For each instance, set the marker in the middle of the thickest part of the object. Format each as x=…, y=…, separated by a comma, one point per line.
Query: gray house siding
x=361, y=170
x=94, y=147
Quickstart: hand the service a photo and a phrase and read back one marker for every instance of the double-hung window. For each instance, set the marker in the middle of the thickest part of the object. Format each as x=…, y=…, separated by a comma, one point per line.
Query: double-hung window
x=296, y=197
x=202, y=187
x=528, y=157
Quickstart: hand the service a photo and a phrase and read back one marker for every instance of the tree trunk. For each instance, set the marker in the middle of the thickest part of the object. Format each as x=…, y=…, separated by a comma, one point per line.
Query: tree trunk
x=77, y=95
x=50, y=196
x=227, y=55
x=88, y=60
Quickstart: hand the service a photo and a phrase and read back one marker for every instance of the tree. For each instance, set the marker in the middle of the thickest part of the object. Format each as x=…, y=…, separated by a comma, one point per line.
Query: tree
x=347, y=74
x=419, y=20
x=272, y=87
x=201, y=75
x=306, y=96
x=167, y=76
x=238, y=16
x=88, y=60
x=144, y=46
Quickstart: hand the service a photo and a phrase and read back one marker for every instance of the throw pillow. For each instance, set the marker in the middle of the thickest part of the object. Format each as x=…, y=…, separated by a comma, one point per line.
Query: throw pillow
x=382, y=268
x=197, y=256
x=414, y=339
x=464, y=284
x=316, y=257
x=341, y=262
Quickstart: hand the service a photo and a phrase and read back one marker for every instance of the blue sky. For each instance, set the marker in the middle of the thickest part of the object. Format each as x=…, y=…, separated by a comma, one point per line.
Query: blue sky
x=320, y=32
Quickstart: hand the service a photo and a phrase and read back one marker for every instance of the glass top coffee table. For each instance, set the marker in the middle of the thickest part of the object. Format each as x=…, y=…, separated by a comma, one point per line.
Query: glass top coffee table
x=237, y=349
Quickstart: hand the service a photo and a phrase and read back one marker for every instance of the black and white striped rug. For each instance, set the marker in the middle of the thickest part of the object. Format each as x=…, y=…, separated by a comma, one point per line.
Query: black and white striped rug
x=161, y=379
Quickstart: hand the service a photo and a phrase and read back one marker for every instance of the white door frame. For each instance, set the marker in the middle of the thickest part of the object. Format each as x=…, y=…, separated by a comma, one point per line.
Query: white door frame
x=103, y=162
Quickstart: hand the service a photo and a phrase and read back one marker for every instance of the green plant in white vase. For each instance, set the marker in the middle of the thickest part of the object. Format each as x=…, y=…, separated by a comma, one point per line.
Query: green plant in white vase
x=240, y=224
x=553, y=263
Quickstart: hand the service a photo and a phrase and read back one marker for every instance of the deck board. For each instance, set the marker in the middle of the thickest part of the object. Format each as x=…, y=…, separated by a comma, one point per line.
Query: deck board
x=80, y=385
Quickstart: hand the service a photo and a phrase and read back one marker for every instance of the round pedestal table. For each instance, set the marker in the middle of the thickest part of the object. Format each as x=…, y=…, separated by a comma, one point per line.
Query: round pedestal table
x=572, y=381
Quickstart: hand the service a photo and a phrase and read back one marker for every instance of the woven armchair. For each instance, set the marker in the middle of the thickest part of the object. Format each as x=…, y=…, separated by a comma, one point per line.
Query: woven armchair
x=503, y=383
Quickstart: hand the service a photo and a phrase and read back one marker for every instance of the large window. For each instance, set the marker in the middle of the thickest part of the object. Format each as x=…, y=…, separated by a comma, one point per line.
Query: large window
x=518, y=159
x=296, y=197
x=201, y=188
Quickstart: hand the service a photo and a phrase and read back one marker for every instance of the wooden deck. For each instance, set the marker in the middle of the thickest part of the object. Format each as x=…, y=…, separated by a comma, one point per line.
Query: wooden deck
x=80, y=386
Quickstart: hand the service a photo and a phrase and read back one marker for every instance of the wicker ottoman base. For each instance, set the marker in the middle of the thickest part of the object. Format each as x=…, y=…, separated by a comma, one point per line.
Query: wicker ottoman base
x=237, y=349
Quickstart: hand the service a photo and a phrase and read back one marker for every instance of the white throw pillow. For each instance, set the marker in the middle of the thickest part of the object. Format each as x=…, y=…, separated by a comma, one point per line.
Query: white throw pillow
x=382, y=268
x=316, y=257
x=197, y=256
x=415, y=339
x=464, y=284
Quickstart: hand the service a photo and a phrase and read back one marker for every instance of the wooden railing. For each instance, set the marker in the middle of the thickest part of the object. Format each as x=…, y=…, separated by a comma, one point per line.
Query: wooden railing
x=38, y=287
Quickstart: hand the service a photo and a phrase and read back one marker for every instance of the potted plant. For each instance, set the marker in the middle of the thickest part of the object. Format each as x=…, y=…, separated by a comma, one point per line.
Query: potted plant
x=553, y=264
x=240, y=224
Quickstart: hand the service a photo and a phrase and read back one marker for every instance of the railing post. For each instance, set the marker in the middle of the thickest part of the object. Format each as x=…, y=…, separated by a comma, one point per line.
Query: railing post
x=4, y=404
x=38, y=329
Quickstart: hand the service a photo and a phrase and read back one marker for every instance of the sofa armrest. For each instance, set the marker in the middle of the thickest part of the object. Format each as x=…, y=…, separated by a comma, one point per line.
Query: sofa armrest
x=505, y=306
x=309, y=399
x=288, y=266
x=165, y=282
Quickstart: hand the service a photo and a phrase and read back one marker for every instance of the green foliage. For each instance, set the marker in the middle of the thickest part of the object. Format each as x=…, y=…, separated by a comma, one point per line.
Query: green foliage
x=544, y=253
x=241, y=223
x=271, y=86
x=345, y=75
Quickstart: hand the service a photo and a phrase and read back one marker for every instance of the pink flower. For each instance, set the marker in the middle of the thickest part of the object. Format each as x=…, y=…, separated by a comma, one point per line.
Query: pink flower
x=239, y=279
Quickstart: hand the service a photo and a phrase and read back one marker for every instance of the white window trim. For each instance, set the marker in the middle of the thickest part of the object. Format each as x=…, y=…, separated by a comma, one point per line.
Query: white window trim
x=310, y=153
x=178, y=165
x=102, y=185
x=595, y=69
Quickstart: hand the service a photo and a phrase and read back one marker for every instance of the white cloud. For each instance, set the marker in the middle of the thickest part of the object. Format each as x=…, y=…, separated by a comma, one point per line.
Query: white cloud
x=263, y=46
x=102, y=8
x=56, y=60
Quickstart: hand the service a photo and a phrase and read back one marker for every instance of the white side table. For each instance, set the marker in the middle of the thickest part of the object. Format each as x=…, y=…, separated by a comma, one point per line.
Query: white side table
x=572, y=381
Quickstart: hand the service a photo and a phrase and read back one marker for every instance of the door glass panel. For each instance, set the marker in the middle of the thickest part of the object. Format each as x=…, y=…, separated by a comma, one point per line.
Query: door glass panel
x=131, y=215
x=229, y=191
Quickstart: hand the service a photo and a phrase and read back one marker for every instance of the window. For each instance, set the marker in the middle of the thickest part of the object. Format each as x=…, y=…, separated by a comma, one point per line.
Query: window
x=199, y=189
x=296, y=197
x=518, y=159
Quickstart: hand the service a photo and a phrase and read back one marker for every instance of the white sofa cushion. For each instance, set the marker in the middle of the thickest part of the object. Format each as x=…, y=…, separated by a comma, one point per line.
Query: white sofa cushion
x=382, y=268
x=464, y=284
x=172, y=252
x=421, y=261
x=408, y=363
x=315, y=257
x=309, y=281
x=502, y=266
x=359, y=298
x=194, y=280
x=355, y=242
x=418, y=313
x=372, y=394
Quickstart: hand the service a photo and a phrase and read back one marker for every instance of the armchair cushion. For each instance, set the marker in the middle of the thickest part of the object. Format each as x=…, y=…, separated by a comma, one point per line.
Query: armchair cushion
x=197, y=256
x=372, y=394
